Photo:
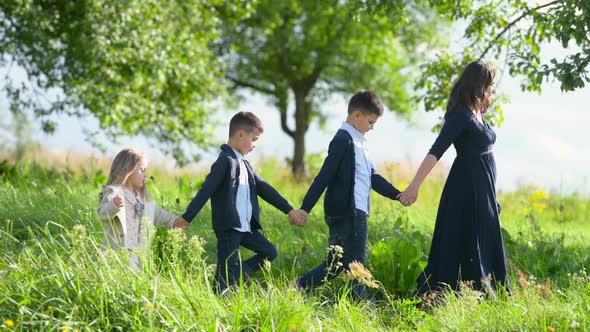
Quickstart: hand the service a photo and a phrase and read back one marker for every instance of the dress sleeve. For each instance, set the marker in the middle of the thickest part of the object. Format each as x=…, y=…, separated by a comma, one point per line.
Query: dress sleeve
x=454, y=125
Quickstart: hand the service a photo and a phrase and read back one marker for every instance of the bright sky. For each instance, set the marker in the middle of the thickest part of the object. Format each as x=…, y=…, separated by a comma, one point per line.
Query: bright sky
x=544, y=138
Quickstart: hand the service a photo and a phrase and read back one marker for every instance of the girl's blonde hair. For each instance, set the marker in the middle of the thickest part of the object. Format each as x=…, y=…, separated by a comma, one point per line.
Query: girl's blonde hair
x=123, y=165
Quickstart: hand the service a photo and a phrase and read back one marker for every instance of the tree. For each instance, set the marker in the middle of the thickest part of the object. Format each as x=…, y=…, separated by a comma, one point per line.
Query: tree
x=510, y=31
x=299, y=52
x=139, y=67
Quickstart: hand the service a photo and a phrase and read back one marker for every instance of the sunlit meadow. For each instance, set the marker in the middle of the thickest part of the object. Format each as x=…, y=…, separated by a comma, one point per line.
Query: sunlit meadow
x=55, y=276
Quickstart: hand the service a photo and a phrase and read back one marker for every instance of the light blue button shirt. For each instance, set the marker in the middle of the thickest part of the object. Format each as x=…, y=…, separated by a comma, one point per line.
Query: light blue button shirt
x=362, y=169
x=243, y=204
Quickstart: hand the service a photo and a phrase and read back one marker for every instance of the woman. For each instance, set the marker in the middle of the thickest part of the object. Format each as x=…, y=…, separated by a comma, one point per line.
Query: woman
x=467, y=243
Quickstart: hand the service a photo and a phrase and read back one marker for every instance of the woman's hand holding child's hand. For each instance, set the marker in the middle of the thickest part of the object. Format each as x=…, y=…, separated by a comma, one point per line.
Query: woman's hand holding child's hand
x=118, y=200
x=409, y=196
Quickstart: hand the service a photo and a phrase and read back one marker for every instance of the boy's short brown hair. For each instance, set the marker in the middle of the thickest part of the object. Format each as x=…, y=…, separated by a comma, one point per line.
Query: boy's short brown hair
x=246, y=121
x=365, y=101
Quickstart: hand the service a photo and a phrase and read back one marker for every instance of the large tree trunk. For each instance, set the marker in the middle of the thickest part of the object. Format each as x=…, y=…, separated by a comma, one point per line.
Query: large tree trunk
x=298, y=166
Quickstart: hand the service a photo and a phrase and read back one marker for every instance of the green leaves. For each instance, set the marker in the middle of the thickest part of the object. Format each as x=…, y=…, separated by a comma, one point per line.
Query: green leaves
x=161, y=69
x=139, y=67
x=398, y=260
x=301, y=52
x=512, y=31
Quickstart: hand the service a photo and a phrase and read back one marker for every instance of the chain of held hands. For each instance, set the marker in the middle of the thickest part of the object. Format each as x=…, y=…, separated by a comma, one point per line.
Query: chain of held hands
x=296, y=217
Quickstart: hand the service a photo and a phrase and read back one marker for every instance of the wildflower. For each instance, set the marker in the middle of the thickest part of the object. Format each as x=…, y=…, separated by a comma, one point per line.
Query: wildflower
x=539, y=207
x=547, y=287
x=65, y=329
x=429, y=299
x=149, y=306
x=76, y=309
x=550, y=328
x=50, y=308
x=538, y=200
x=78, y=236
x=359, y=273
x=292, y=327
x=9, y=323
x=336, y=249
x=196, y=245
x=539, y=195
x=522, y=281
x=335, y=253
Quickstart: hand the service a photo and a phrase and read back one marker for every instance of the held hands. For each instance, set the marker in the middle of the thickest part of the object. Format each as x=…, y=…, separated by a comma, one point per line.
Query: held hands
x=181, y=223
x=409, y=196
x=118, y=200
x=298, y=217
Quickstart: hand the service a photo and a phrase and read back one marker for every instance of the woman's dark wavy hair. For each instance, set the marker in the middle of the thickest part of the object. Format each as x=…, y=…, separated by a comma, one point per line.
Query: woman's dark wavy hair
x=470, y=88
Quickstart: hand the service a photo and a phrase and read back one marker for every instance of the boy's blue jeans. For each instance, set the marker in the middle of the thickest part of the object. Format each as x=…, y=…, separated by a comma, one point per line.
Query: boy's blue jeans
x=229, y=268
x=350, y=233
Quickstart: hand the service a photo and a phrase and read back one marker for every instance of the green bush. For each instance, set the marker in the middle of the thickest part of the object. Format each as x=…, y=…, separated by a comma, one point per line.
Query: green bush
x=396, y=261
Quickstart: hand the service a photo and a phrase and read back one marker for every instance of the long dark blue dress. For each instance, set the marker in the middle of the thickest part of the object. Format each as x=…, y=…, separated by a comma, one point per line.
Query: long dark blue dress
x=467, y=243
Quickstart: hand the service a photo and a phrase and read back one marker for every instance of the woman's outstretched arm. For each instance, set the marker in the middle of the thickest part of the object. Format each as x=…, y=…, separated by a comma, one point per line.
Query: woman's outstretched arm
x=410, y=195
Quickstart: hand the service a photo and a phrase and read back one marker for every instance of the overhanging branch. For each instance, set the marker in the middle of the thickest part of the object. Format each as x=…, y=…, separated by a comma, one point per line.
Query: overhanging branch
x=250, y=85
x=284, y=125
x=511, y=24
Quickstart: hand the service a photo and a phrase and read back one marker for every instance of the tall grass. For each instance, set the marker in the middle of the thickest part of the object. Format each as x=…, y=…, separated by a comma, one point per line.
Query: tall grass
x=55, y=276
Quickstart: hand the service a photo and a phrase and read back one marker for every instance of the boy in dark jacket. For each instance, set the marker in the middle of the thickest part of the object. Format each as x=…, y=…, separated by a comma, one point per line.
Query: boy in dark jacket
x=233, y=187
x=349, y=176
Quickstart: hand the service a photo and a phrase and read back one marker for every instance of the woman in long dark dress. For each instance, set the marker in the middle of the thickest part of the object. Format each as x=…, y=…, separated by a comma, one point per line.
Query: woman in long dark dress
x=467, y=243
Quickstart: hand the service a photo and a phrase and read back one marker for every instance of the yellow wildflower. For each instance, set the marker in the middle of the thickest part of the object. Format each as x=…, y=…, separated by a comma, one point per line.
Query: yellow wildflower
x=356, y=271
x=9, y=323
x=539, y=207
x=539, y=195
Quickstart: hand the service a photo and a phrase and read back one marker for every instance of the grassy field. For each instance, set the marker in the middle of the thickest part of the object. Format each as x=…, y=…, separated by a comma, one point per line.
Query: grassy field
x=53, y=275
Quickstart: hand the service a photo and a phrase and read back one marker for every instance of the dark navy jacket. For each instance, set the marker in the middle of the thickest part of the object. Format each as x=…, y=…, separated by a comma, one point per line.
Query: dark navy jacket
x=337, y=174
x=221, y=185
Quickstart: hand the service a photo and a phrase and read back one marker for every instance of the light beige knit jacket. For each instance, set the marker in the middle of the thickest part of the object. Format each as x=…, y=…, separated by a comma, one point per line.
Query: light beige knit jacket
x=131, y=225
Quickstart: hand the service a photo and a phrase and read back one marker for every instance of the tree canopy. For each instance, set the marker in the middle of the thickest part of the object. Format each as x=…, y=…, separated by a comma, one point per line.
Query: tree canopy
x=512, y=34
x=162, y=69
x=139, y=67
x=299, y=52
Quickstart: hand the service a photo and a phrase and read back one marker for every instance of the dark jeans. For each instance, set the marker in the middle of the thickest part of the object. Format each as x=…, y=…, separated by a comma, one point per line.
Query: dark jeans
x=351, y=234
x=229, y=268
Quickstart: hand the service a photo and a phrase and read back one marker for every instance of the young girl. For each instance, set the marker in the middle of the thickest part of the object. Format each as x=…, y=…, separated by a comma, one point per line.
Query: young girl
x=126, y=207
